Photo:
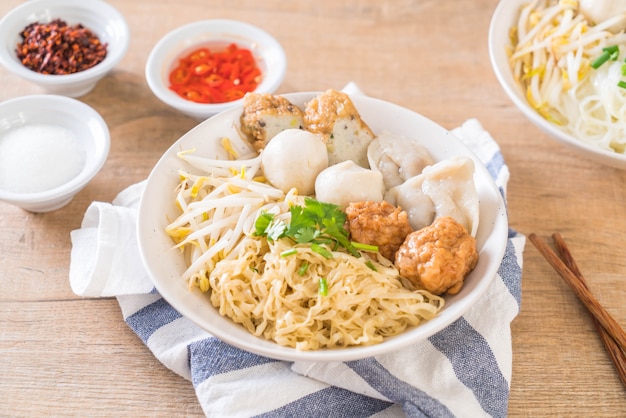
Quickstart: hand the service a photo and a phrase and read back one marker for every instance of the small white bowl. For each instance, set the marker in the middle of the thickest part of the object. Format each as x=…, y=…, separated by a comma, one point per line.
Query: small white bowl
x=504, y=17
x=96, y=15
x=164, y=57
x=165, y=264
x=90, y=135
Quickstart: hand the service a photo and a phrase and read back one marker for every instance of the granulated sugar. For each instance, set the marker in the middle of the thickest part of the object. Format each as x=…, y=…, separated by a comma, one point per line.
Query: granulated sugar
x=38, y=157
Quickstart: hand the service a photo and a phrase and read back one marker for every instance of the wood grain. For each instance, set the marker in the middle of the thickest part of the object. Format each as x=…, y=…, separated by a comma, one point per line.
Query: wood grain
x=616, y=352
x=63, y=355
x=581, y=290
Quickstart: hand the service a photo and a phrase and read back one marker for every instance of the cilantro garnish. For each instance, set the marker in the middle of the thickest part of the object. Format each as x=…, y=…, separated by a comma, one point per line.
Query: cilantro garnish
x=316, y=223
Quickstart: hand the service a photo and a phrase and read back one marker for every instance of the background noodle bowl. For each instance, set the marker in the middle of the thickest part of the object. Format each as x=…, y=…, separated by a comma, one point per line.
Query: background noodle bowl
x=505, y=17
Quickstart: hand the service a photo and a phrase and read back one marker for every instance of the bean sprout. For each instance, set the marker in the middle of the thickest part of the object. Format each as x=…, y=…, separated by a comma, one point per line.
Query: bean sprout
x=553, y=48
x=218, y=209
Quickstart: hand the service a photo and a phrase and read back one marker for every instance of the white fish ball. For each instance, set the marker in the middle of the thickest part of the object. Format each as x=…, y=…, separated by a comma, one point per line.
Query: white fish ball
x=600, y=10
x=347, y=182
x=293, y=159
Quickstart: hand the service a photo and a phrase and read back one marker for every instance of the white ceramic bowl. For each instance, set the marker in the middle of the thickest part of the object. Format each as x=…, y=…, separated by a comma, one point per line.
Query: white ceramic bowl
x=91, y=137
x=165, y=264
x=504, y=17
x=96, y=15
x=164, y=56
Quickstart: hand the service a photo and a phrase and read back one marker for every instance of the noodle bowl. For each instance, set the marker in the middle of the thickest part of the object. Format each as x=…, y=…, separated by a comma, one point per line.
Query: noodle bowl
x=554, y=48
x=167, y=266
x=547, y=74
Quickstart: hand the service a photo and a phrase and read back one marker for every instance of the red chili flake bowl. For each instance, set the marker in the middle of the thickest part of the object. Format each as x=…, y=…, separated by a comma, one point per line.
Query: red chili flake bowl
x=98, y=17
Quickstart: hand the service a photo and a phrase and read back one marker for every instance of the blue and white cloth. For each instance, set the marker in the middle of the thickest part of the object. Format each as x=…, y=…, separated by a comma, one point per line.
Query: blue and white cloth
x=463, y=371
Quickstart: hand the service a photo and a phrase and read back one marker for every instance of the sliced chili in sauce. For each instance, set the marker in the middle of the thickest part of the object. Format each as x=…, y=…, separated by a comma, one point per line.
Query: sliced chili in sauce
x=207, y=76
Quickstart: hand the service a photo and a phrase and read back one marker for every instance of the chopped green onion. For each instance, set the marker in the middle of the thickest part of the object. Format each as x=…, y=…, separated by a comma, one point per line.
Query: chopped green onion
x=600, y=60
x=365, y=247
x=289, y=252
x=609, y=53
x=622, y=84
x=323, y=287
x=624, y=69
x=303, y=268
x=371, y=265
x=321, y=251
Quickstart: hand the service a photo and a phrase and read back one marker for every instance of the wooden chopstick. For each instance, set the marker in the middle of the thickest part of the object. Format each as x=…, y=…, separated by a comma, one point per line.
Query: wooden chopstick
x=611, y=334
x=617, y=354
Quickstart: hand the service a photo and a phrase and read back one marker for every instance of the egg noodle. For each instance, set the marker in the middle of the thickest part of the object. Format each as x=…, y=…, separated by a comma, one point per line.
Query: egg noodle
x=553, y=49
x=262, y=284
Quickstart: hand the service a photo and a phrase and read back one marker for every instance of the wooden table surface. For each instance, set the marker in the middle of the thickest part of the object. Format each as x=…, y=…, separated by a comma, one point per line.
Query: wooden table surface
x=65, y=355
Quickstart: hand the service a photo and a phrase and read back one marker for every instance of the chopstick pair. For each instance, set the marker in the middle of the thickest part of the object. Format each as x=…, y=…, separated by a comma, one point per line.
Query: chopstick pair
x=611, y=334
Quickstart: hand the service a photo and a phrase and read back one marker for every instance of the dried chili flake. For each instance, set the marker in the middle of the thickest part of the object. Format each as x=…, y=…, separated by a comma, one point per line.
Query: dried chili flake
x=57, y=48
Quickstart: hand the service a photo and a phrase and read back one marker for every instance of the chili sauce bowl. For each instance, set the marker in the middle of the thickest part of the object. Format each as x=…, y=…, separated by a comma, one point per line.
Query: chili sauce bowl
x=99, y=17
x=51, y=147
x=215, y=35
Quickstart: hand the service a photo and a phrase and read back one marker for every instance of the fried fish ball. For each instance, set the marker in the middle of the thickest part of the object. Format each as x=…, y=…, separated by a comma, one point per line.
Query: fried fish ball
x=265, y=115
x=380, y=224
x=333, y=116
x=437, y=258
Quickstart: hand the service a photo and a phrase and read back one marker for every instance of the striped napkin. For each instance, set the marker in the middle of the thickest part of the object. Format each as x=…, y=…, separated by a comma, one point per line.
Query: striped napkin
x=462, y=371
